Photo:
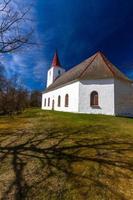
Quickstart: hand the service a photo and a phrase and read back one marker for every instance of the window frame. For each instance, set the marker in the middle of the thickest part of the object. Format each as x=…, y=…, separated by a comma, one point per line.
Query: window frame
x=94, y=99
x=59, y=101
x=59, y=72
x=45, y=102
x=49, y=102
x=66, y=100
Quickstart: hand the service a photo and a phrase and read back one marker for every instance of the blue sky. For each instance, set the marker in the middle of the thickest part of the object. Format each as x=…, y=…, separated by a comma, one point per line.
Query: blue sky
x=77, y=29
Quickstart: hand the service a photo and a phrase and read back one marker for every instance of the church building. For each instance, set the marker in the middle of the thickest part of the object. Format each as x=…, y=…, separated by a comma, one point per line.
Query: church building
x=94, y=86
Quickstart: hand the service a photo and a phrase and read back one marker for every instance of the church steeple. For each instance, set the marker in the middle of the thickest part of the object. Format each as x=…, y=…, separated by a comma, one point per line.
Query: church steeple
x=56, y=61
x=55, y=71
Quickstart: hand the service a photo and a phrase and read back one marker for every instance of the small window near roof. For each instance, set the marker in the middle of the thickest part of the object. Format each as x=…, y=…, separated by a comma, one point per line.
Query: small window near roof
x=59, y=72
x=94, y=99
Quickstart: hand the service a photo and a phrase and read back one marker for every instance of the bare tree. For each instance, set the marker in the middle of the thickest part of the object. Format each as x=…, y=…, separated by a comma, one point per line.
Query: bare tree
x=13, y=100
x=15, y=31
x=35, y=98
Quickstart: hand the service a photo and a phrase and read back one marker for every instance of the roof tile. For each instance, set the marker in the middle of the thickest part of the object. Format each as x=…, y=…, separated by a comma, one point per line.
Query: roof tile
x=95, y=67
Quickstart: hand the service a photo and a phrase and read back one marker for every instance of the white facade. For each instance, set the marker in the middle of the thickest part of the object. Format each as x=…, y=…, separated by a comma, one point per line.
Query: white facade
x=115, y=97
x=105, y=90
x=79, y=97
x=72, y=90
x=123, y=98
x=53, y=73
x=95, y=86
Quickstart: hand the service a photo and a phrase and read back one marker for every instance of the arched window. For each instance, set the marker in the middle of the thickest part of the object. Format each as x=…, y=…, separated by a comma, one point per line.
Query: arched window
x=45, y=102
x=94, y=99
x=66, y=100
x=53, y=104
x=48, y=101
x=59, y=101
x=59, y=72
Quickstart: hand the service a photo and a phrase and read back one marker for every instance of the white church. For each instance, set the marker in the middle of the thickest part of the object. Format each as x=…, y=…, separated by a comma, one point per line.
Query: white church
x=94, y=86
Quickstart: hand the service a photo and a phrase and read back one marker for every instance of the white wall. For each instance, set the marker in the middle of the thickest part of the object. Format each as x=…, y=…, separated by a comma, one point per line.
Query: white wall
x=53, y=74
x=79, y=97
x=105, y=89
x=72, y=90
x=115, y=97
x=123, y=98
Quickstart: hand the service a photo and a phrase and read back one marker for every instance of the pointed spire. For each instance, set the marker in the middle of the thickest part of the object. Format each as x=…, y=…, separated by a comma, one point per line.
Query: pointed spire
x=56, y=61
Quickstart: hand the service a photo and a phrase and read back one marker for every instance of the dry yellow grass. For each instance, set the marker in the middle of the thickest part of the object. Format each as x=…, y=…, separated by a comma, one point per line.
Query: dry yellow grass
x=52, y=155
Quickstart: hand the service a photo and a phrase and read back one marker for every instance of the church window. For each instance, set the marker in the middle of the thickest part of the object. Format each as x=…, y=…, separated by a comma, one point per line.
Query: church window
x=59, y=101
x=48, y=101
x=94, y=99
x=45, y=102
x=66, y=100
x=59, y=72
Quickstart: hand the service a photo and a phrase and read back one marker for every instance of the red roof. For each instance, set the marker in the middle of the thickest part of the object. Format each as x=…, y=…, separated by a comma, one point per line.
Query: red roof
x=56, y=61
x=95, y=67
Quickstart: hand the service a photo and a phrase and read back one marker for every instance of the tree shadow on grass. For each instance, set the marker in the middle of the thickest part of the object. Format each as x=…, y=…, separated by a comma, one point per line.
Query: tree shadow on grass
x=60, y=164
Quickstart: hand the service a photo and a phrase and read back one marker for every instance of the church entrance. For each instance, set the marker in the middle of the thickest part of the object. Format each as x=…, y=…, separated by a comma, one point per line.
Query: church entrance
x=53, y=105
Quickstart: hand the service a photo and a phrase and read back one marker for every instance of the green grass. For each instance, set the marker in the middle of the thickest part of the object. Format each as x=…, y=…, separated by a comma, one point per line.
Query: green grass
x=47, y=155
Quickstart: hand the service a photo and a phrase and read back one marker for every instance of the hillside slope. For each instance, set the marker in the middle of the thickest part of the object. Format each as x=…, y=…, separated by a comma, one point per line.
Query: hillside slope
x=51, y=155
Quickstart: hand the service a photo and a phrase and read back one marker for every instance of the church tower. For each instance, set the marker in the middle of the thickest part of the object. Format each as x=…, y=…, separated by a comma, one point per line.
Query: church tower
x=55, y=71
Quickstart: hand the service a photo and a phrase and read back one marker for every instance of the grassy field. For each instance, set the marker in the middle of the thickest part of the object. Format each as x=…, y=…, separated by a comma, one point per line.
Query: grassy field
x=61, y=156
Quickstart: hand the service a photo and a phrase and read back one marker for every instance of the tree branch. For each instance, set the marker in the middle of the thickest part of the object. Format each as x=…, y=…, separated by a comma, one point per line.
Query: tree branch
x=15, y=30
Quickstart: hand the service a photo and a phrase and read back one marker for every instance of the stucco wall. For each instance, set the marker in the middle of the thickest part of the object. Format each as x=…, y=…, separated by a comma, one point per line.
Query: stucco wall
x=72, y=90
x=115, y=97
x=123, y=98
x=53, y=74
x=105, y=89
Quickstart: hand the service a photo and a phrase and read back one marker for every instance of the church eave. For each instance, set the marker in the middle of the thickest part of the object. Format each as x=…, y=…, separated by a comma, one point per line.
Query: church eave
x=95, y=67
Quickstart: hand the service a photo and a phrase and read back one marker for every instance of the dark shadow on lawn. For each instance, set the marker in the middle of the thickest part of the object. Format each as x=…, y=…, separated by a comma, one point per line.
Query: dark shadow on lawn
x=61, y=155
